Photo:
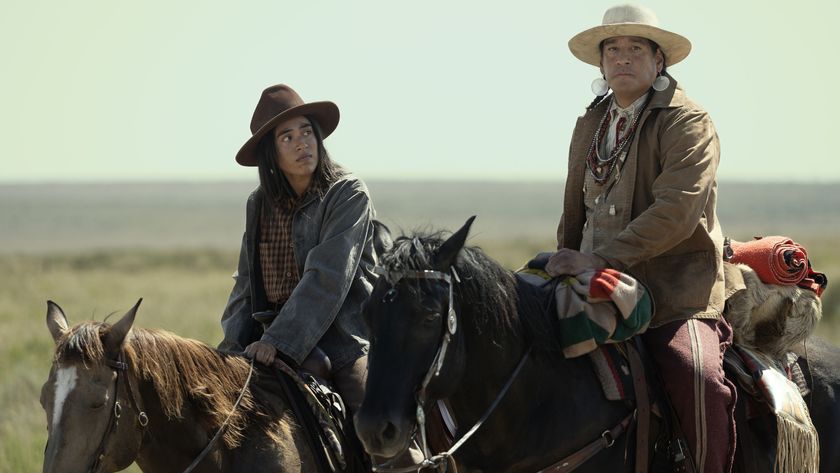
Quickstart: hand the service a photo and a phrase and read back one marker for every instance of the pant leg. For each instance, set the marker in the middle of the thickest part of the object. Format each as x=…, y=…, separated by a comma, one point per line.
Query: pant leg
x=350, y=383
x=689, y=354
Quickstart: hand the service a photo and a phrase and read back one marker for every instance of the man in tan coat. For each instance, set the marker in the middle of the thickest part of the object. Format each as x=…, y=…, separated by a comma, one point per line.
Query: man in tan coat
x=640, y=197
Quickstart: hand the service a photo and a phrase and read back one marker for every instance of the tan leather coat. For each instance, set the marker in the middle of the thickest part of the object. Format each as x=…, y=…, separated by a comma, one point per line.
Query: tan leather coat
x=663, y=231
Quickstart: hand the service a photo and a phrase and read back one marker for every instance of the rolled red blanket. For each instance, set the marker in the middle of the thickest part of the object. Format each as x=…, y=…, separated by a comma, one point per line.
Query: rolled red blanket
x=776, y=259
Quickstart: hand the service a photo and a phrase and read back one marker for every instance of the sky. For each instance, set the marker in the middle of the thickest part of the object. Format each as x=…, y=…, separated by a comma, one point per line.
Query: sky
x=101, y=90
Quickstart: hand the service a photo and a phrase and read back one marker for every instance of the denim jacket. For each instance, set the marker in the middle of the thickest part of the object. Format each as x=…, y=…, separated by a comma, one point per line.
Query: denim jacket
x=333, y=242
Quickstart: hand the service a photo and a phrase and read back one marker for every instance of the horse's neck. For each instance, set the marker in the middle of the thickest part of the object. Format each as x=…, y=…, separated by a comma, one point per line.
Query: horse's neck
x=170, y=444
x=571, y=411
x=490, y=359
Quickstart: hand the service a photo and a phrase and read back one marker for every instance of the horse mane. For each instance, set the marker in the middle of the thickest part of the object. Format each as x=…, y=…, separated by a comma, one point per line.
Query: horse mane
x=493, y=298
x=487, y=291
x=183, y=372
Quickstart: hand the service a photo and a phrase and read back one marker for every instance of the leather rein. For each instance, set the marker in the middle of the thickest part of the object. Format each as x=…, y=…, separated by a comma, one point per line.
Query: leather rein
x=567, y=464
x=435, y=461
x=121, y=367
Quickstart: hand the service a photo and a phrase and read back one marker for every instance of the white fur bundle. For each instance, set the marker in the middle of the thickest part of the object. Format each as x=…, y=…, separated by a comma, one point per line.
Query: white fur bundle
x=769, y=317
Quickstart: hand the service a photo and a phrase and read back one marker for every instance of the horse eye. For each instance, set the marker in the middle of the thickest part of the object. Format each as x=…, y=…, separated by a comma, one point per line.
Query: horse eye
x=391, y=295
x=98, y=403
x=431, y=316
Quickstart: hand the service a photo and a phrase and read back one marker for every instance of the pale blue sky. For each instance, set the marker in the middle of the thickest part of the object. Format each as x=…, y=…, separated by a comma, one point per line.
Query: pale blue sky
x=112, y=89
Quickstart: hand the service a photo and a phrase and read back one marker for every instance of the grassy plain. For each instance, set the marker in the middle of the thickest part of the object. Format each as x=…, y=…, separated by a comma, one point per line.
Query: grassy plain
x=95, y=249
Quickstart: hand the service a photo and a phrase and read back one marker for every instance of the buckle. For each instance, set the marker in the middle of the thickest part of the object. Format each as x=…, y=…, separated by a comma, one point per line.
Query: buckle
x=609, y=440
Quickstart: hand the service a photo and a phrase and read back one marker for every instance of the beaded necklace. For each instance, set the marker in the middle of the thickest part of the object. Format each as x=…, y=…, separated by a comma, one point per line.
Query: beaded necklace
x=601, y=168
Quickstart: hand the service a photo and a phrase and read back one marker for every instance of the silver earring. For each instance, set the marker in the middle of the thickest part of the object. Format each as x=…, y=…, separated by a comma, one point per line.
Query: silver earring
x=661, y=83
x=600, y=86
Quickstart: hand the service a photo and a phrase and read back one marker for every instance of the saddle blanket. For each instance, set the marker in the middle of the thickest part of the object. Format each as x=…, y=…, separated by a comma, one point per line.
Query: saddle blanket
x=613, y=371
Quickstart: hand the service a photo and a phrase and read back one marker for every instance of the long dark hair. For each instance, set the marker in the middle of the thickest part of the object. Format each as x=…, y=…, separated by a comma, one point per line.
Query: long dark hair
x=273, y=182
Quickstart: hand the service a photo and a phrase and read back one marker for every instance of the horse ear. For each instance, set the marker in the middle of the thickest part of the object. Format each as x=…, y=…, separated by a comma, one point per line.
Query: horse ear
x=448, y=252
x=114, y=338
x=56, y=320
x=382, y=241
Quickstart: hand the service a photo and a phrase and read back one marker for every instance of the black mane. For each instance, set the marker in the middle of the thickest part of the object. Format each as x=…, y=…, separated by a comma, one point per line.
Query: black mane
x=491, y=298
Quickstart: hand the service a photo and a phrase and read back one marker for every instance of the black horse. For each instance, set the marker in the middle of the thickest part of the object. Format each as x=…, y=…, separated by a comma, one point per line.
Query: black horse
x=554, y=407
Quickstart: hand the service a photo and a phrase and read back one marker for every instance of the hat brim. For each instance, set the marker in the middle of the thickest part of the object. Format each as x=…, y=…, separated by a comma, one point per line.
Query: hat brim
x=585, y=45
x=325, y=113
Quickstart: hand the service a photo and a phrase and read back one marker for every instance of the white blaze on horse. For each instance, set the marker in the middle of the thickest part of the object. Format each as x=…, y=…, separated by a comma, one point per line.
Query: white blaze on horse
x=117, y=395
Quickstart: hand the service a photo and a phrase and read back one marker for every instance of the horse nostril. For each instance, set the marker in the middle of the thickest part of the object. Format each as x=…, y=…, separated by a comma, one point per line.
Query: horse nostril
x=390, y=432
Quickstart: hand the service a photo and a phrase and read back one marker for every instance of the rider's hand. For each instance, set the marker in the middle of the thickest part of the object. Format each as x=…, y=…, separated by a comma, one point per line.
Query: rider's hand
x=571, y=262
x=261, y=351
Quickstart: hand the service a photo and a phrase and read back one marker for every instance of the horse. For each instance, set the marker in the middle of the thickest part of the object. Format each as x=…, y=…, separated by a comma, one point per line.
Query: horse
x=447, y=322
x=117, y=395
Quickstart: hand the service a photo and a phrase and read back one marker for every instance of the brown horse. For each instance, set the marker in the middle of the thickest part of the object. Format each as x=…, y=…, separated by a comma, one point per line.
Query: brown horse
x=117, y=395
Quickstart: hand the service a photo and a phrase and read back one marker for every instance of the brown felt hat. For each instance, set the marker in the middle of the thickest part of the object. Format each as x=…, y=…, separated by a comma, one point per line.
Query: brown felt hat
x=278, y=103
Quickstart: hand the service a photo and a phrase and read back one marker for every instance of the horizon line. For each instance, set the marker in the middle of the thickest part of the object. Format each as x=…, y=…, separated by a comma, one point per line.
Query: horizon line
x=454, y=180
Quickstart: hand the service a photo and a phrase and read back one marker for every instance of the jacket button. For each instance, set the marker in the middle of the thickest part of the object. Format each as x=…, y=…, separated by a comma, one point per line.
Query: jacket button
x=288, y=274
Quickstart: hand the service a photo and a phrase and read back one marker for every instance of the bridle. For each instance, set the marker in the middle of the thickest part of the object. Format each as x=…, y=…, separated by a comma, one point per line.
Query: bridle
x=565, y=465
x=429, y=460
x=120, y=367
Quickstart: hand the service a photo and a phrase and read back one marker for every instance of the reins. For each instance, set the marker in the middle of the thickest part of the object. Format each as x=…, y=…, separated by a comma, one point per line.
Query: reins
x=565, y=465
x=120, y=367
x=434, y=461
x=224, y=424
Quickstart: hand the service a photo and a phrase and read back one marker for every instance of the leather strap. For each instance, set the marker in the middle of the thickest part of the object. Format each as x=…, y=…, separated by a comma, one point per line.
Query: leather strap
x=637, y=370
x=642, y=414
x=606, y=440
x=113, y=419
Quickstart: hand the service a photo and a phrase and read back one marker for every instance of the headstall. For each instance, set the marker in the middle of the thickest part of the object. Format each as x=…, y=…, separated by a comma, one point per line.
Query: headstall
x=120, y=367
x=437, y=460
x=565, y=465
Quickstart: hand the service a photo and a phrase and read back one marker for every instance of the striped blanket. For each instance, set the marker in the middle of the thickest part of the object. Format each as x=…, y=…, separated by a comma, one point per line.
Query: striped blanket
x=598, y=307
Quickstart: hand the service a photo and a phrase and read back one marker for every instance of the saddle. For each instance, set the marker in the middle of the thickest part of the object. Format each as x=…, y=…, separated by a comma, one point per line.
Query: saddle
x=768, y=389
x=766, y=318
x=319, y=409
x=768, y=321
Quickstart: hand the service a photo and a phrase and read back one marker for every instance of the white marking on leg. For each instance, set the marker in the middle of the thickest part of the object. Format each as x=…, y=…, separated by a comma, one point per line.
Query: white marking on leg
x=65, y=381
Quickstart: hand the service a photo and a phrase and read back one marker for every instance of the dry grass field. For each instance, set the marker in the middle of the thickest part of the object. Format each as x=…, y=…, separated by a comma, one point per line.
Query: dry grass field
x=96, y=249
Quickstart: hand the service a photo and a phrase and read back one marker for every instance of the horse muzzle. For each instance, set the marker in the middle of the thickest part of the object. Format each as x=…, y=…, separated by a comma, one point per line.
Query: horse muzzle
x=382, y=435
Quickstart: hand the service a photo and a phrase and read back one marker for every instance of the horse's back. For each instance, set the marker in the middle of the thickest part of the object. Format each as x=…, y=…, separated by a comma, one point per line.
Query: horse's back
x=820, y=361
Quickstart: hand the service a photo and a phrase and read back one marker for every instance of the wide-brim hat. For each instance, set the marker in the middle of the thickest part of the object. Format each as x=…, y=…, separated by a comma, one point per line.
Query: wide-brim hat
x=629, y=20
x=278, y=103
